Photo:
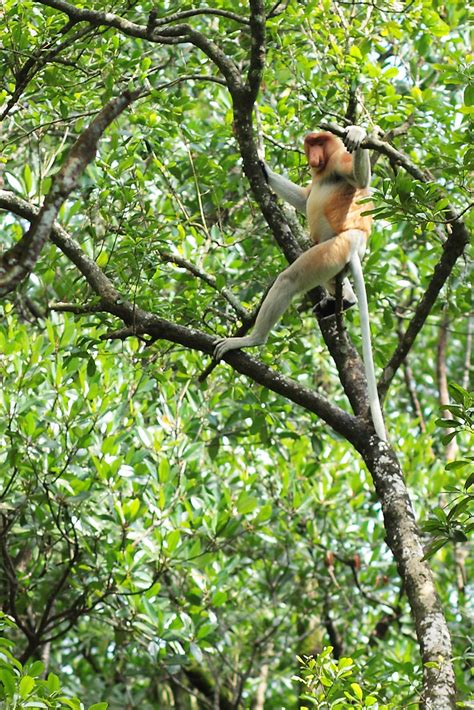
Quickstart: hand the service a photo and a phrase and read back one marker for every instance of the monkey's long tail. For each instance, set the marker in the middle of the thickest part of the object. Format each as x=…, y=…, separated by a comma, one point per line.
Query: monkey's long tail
x=374, y=402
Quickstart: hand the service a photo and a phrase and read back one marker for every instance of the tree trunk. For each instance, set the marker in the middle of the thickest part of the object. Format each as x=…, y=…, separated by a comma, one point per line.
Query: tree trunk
x=404, y=540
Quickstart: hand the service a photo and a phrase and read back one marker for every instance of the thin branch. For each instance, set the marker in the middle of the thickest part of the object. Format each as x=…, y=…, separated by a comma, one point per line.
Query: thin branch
x=278, y=8
x=77, y=308
x=178, y=16
x=242, y=312
x=467, y=360
x=185, y=33
x=54, y=592
x=453, y=248
x=412, y=393
x=371, y=142
x=451, y=449
x=189, y=77
x=37, y=61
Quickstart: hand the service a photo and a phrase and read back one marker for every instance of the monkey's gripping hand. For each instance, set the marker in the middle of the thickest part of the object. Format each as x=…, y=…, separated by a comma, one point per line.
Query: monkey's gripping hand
x=264, y=167
x=223, y=345
x=353, y=137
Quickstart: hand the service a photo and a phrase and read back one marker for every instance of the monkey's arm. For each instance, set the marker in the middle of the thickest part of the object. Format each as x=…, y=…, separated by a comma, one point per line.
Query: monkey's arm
x=287, y=190
x=360, y=173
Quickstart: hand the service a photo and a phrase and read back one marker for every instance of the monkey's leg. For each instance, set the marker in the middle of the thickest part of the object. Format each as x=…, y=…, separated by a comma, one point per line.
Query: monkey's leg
x=313, y=268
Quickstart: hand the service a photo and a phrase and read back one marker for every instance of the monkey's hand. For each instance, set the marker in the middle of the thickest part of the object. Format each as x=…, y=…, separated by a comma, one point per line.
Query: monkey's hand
x=223, y=345
x=264, y=169
x=353, y=137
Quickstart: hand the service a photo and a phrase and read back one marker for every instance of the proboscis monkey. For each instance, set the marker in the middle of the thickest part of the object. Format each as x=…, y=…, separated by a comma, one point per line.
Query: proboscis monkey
x=340, y=179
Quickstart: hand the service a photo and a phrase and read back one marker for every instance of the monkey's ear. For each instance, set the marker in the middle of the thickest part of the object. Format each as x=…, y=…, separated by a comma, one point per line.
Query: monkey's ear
x=264, y=170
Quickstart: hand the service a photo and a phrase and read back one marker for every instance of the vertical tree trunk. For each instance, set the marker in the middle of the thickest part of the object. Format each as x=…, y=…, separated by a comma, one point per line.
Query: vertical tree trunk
x=403, y=538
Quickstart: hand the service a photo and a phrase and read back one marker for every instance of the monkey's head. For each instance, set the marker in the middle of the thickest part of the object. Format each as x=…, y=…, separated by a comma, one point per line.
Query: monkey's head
x=319, y=147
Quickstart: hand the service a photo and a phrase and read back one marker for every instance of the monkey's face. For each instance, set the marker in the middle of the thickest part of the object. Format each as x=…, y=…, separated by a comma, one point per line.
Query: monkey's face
x=318, y=148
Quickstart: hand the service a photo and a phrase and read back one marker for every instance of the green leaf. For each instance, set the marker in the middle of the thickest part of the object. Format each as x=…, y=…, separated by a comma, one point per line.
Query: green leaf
x=72, y=703
x=35, y=669
x=172, y=540
x=27, y=683
x=219, y=598
x=458, y=393
x=8, y=679
x=196, y=652
x=469, y=95
x=469, y=481
x=163, y=470
x=440, y=514
x=53, y=683
x=355, y=52
x=246, y=503
x=27, y=177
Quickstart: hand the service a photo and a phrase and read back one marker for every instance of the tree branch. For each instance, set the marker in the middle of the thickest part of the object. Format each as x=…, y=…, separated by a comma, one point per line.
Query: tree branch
x=37, y=61
x=453, y=248
x=175, y=34
x=144, y=323
x=17, y=262
x=178, y=16
x=257, y=49
x=210, y=280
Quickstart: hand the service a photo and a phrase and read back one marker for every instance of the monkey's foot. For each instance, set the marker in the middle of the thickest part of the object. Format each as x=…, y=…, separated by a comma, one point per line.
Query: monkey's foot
x=327, y=307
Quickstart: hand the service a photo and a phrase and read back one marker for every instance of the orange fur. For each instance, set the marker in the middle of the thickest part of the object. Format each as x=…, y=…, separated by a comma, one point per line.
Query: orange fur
x=333, y=204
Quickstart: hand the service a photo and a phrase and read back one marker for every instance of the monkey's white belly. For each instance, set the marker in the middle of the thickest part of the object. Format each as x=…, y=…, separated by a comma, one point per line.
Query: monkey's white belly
x=319, y=227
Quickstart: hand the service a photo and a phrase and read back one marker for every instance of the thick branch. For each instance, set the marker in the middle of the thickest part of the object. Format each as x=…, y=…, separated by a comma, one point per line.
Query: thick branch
x=257, y=51
x=403, y=538
x=145, y=323
x=453, y=248
x=93, y=17
x=185, y=33
x=19, y=261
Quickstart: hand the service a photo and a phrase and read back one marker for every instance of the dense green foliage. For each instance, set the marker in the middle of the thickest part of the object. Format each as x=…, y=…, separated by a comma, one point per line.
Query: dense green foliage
x=159, y=535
